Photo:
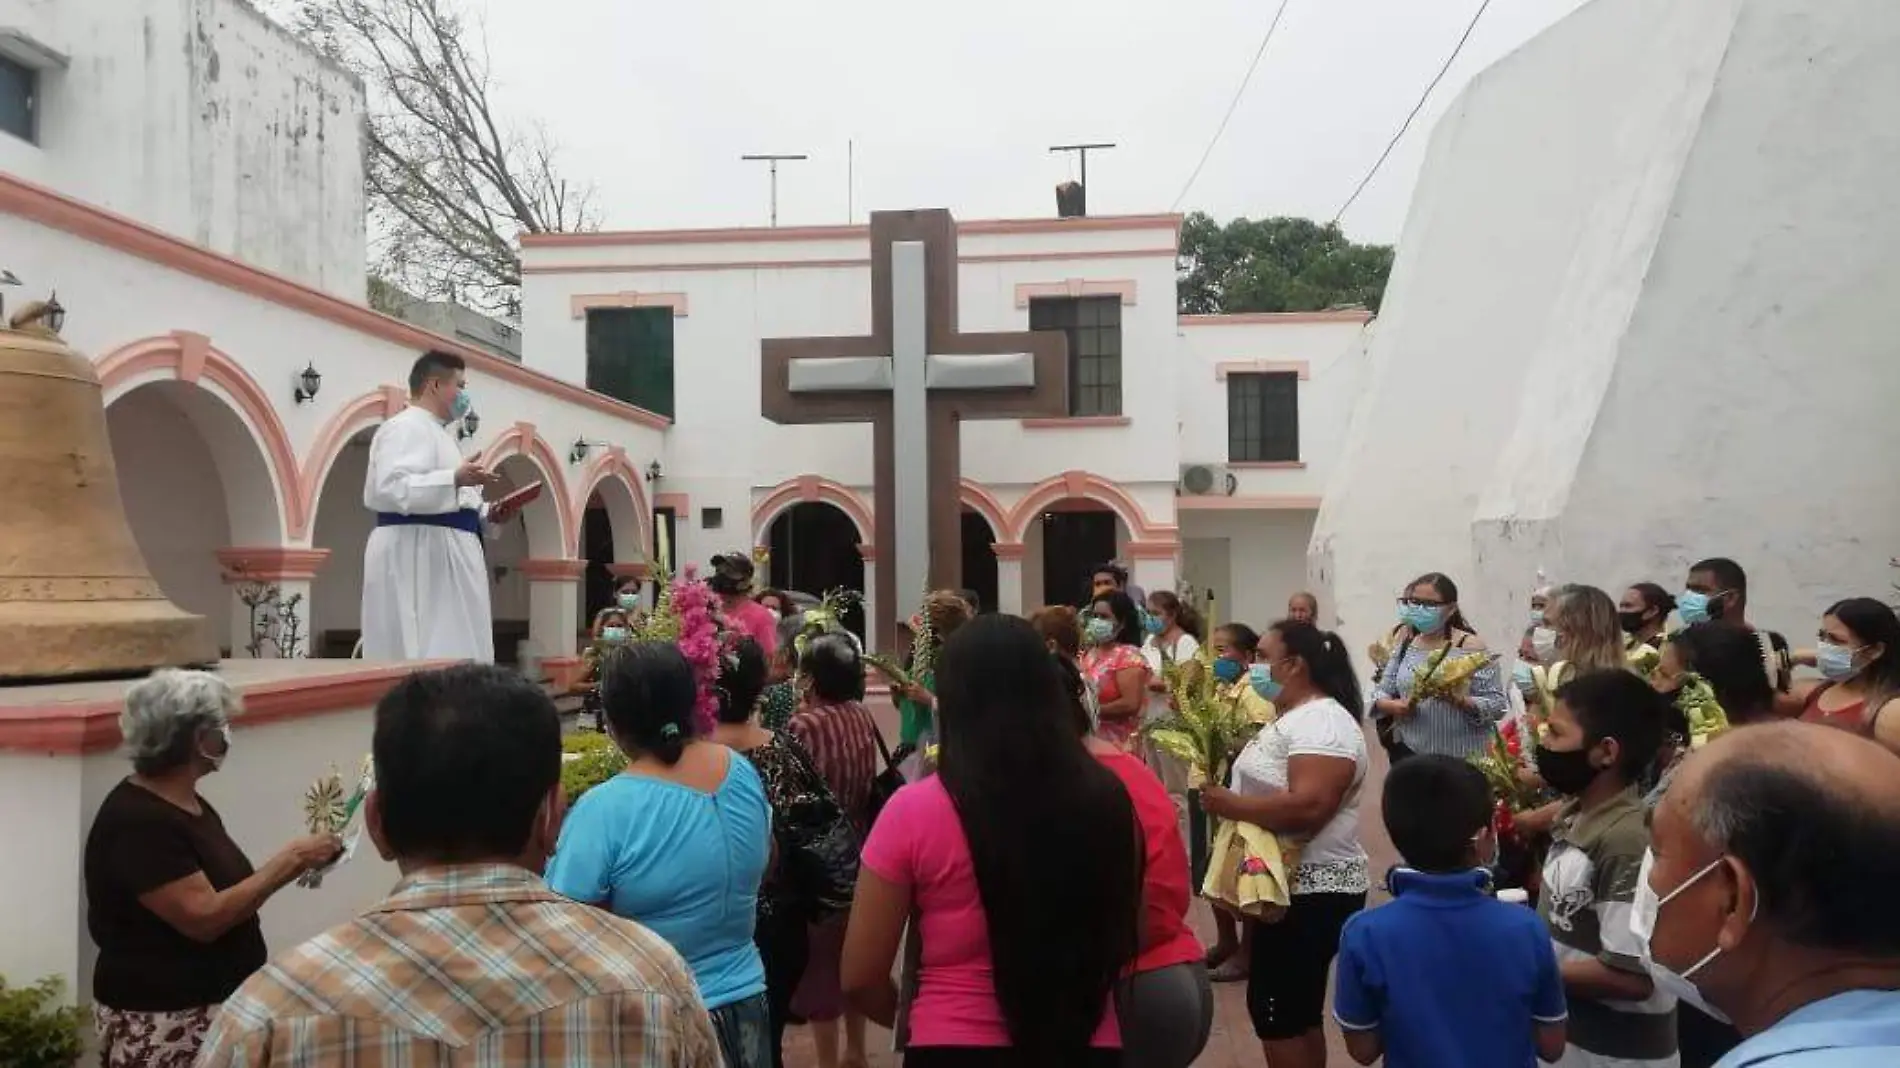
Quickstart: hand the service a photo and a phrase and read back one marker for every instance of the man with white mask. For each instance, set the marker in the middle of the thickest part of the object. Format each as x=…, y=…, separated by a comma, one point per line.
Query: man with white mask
x=1767, y=897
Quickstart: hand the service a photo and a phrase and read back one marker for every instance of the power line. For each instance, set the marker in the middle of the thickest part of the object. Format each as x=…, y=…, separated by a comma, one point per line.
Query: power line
x=1416, y=108
x=1235, y=103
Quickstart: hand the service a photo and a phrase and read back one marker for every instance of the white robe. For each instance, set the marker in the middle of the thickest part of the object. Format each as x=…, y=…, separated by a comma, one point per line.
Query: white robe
x=425, y=588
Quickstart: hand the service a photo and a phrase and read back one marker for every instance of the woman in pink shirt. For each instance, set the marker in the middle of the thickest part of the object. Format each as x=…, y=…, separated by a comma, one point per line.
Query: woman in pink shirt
x=1022, y=860
x=731, y=579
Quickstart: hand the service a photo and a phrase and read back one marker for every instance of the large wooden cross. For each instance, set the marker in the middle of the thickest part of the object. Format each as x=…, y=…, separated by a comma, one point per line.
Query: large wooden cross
x=914, y=379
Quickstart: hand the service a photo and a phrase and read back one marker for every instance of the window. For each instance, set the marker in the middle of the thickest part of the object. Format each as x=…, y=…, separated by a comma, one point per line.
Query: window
x=19, y=100
x=630, y=356
x=1094, y=327
x=1263, y=417
x=712, y=518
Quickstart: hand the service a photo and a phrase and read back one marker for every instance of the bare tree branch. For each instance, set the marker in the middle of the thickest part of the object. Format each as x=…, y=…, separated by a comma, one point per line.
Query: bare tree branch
x=451, y=184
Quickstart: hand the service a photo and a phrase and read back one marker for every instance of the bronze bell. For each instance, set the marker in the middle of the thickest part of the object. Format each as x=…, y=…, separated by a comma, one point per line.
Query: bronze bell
x=76, y=599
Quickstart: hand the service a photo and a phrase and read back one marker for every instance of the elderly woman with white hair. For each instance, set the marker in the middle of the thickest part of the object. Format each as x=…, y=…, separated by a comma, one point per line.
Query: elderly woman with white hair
x=171, y=900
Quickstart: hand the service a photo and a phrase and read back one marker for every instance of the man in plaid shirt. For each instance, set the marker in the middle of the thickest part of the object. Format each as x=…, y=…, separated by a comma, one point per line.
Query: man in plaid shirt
x=472, y=960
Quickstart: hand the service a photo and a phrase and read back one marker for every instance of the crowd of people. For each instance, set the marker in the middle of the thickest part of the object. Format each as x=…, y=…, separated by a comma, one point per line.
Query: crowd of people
x=1011, y=883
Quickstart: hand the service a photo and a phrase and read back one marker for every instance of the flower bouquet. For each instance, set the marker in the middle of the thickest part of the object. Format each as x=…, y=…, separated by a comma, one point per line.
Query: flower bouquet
x=1446, y=677
x=686, y=613
x=1643, y=658
x=328, y=810
x=1697, y=701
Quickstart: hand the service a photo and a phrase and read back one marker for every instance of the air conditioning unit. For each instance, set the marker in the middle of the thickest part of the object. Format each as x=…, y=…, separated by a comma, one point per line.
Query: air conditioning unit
x=1207, y=480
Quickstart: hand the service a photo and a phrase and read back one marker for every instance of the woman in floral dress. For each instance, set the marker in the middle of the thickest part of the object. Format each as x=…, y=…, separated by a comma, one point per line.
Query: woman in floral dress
x=1115, y=668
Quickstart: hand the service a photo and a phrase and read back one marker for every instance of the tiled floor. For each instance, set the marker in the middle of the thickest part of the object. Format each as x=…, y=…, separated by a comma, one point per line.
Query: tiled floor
x=1232, y=1044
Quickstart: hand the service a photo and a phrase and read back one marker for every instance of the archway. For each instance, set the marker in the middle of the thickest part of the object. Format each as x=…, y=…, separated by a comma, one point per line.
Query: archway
x=611, y=533
x=342, y=525
x=193, y=480
x=815, y=550
x=534, y=534
x=979, y=558
x=1069, y=540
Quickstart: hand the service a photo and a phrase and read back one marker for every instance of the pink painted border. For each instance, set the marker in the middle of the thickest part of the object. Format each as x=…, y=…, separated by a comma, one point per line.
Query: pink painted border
x=731, y=235
x=1010, y=550
x=559, y=570
x=1153, y=550
x=111, y=230
x=73, y=728
x=1262, y=367
x=1345, y=315
x=1076, y=287
x=810, y=488
x=681, y=504
x=1259, y=502
x=262, y=563
x=839, y=262
x=579, y=304
x=1084, y=485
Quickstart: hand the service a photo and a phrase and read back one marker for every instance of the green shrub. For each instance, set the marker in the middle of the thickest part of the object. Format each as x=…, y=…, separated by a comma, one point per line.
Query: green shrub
x=37, y=1028
x=588, y=760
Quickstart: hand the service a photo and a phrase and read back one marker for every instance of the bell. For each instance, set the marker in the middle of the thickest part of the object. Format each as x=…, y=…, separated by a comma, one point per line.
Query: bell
x=76, y=599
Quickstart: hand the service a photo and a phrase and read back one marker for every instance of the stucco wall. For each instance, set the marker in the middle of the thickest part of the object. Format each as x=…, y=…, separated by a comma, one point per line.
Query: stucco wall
x=1262, y=554
x=1641, y=305
x=202, y=118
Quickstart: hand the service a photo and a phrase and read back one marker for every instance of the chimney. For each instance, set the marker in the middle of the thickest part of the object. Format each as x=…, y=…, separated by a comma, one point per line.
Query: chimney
x=1071, y=201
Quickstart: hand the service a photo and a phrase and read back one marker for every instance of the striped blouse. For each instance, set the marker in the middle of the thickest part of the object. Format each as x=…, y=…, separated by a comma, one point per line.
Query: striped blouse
x=1438, y=726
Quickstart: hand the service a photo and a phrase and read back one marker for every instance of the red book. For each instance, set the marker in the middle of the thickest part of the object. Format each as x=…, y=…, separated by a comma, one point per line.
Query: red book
x=519, y=499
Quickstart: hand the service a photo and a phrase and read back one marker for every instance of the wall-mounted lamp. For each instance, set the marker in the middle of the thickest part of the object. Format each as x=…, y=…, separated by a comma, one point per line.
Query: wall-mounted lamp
x=470, y=424
x=55, y=315
x=655, y=472
x=308, y=383
x=578, y=454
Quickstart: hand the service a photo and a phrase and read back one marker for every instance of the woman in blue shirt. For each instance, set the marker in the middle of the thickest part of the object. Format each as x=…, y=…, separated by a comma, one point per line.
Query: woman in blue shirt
x=679, y=842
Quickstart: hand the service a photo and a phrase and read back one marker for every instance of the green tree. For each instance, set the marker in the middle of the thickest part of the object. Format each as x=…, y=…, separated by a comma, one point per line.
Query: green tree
x=1282, y=264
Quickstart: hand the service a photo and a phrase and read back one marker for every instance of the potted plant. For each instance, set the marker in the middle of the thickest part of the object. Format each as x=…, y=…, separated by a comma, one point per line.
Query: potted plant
x=37, y=1028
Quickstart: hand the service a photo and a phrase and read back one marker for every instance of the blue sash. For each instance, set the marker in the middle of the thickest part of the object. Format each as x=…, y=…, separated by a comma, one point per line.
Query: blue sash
x=467, y=519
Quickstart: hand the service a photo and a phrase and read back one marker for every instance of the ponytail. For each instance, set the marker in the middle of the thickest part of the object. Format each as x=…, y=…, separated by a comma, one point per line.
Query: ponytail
x=1447, y=589
x=648, y=691
x=1326, y=660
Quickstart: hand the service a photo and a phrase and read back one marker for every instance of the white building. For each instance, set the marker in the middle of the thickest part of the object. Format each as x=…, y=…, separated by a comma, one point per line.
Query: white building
x=1642, y=314
x=672, y=321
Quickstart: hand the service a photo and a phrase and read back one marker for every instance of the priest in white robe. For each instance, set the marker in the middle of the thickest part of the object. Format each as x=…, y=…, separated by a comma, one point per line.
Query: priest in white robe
x=425, y=575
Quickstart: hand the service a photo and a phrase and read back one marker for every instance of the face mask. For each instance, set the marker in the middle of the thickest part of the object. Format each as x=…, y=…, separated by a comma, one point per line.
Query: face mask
x=1260, y=677
x=1544, y=644
x=1643, y=913
x=1098, y=631
x=1631, y=622
x=613, y=634
x=1153, y=624
x=216, y=760
x=1696, y=607
x=629, y=601
x=1422, y=618
x=1228, y=670
x=1568, y=771
x=1835, y=662
x=1522, y=676
x=461, y=405
x=1537, y=617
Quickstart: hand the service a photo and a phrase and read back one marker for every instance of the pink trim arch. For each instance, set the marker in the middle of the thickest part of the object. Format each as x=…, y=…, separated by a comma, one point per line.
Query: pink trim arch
x=613, y=466
x=370, y=409
x=984, y=503
x=188, y=357
x=522, y=440
x=1082, y=485
x=804, y=489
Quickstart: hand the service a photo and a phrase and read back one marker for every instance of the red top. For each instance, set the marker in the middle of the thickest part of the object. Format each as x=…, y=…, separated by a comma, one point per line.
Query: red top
x=757, y=622
x=1164, y=875
x=842, y=741
x=1847, y=717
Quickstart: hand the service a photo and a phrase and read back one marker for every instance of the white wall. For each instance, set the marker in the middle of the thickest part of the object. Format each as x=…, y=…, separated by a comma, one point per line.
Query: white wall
x=343, y=526
x=178, y=514
x=1264, y=560
x=202, y=118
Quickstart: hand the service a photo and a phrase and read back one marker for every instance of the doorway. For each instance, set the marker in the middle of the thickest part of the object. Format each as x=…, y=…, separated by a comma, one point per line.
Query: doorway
x=815, y=550
x=1074, y=544
x=979, y=559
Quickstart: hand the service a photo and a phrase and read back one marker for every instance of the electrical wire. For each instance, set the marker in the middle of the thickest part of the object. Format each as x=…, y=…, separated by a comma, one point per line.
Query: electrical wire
x=1232, y=105
x=1416, y=108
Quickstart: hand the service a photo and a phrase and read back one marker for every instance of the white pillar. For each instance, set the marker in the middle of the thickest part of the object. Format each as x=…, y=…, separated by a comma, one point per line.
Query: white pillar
x=871, y=605
x=1009, y=577
x=279, y=581
x=553, y=608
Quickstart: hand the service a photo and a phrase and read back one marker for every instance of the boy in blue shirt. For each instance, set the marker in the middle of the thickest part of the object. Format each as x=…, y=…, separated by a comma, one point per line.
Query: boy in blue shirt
x=1446, y=974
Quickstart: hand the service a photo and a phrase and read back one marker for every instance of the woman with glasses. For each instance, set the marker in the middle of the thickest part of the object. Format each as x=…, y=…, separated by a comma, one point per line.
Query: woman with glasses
x=1457, y=725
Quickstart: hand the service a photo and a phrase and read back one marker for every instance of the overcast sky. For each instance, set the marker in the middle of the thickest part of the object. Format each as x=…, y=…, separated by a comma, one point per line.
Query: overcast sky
x=954, y=104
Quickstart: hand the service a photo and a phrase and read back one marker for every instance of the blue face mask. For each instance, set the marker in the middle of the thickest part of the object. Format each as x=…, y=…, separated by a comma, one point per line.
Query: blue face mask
x=1696, y=607
x=1422, y=618
x=1098, y=631
x=1835, y=662
x=461, y=405
x=1151, y=623
x=629, y=601
x=1260, y=677
x=1522, y=676
x=614, y=635
x=1228, y=670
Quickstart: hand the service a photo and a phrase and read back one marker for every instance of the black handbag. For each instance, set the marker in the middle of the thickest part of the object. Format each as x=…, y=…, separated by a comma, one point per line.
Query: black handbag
x=885, y=785
x=821, y=850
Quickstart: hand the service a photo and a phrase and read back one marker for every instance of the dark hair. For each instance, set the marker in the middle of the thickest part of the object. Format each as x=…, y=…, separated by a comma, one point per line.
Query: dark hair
x=1446, y=588
x=1874, y=623
x=785, y=607
x=1059, y=626
x=1112, y=570
x=789, y=628
x=1240, y=634
x=465, y=757
x=649, y=692
x=1127, y=617
x=836, y=671
x=1308, y=598
x=1620, y=705
x=731, y=574
x=741, y=681
x=1076, y=688
x=1013, y=768
x=1727, y=574
x=1655, y=596
x=1326, y=660
x=1824, y=859
x=1728, y=655
x=1184, y=614
x=973, y=599
x=432, y=365
x=1433, y=805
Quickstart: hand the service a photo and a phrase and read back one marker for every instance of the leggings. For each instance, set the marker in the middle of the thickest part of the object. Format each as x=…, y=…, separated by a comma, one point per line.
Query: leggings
x=1166, y=1016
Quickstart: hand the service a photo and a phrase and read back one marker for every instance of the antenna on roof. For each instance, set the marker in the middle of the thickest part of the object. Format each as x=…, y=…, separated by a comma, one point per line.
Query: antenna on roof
x=774, y=159
x=1072, y=197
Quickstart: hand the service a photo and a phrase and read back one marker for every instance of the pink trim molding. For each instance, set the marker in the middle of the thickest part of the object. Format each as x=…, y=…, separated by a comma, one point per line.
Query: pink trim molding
x=523, y=440
x=753, y=234
x=1076, y=287
x=552, y=570
x=868, y=553
x=836, y=262
x=1343, y=315
x=111, y=230
x=1076, y=422
x=1257, y=503
x=680, y=503
x=580, y=303
x=1262, y=367
x=268, y=564
x=804, y=489
x=1153, y=550
x=984, y=503
x=1082, y=485
x=1009, y=550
